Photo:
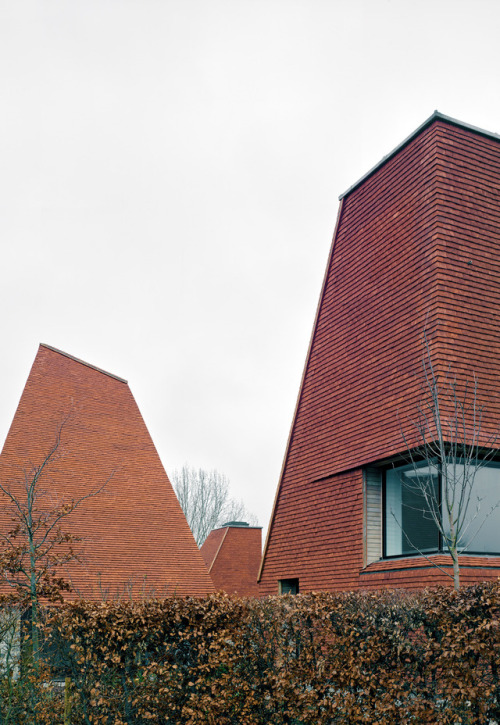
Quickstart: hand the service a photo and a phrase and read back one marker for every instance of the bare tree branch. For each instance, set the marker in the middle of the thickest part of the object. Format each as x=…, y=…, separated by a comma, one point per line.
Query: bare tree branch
x=450, y=441
x=204, y=498
x=36, y=548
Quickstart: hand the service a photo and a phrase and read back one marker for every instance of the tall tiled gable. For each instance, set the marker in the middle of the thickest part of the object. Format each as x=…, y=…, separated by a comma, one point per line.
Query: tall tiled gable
x=134, y=533
x=417, y=247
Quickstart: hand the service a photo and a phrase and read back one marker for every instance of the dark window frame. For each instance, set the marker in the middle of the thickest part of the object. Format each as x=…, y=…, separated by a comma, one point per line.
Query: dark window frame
x=415, y=552
x=493, y=462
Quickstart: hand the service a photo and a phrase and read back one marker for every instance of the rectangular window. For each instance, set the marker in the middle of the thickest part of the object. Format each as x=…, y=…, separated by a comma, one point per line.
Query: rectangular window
x=288, y=586
x=411, y=493
x=481, y=525
x=416, y=495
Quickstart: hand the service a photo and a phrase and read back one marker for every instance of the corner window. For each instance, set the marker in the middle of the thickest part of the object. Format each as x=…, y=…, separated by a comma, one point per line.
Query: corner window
x=415, y=496
x=409, y=524
x=482, y=521
x=288, y=586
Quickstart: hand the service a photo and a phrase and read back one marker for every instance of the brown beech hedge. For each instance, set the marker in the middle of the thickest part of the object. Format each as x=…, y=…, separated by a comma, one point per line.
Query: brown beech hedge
x=390, y=657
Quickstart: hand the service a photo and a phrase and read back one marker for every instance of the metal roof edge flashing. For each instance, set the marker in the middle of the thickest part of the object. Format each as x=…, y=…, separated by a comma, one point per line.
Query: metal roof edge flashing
x=82, y=362
x=436, y=116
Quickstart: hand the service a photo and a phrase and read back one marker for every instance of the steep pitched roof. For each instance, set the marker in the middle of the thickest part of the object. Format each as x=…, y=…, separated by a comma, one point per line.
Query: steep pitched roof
x=416, y=247
x=134, y=533
x=232, y=555
x=212, y=544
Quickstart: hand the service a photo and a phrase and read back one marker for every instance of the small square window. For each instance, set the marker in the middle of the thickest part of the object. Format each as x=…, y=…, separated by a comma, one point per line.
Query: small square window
x=288, y=586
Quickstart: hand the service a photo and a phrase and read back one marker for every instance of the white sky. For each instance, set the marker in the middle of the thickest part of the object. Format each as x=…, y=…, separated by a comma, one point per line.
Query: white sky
x=169, y=181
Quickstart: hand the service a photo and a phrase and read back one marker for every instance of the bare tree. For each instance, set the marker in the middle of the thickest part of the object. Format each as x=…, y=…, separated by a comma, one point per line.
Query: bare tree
x=444, y=465
x=204, y=498
x=35, y=549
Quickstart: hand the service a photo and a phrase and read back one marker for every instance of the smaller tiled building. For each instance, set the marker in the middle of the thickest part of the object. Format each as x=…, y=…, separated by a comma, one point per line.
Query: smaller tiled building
x=232, y=555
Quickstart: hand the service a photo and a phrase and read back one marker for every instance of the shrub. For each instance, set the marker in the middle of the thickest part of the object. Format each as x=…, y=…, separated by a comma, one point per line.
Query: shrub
x=312, y=659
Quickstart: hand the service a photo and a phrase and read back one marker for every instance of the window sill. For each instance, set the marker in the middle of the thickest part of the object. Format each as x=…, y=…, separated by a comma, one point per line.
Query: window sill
x=416, y=561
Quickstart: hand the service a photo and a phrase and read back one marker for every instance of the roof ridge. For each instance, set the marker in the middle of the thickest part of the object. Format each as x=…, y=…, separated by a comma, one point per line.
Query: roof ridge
x=218, y=549
x=82, y=362
x=436, y=116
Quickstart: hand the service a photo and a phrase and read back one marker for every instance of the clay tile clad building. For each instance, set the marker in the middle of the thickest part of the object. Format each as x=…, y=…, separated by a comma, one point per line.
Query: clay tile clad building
x=416, y=250
x=134, y=537
x=232, y=555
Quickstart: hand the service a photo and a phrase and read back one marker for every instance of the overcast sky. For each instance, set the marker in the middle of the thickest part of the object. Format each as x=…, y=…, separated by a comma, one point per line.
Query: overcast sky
x=169, y=182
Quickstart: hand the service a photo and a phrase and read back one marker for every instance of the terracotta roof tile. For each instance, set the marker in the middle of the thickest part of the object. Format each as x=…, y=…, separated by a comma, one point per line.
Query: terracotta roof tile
x=134, y=532
x=232, y=554
x=417, y=246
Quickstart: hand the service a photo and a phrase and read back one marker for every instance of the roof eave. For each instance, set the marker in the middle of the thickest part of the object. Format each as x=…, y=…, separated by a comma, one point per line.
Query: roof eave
x=436, y=116
x=82, y=362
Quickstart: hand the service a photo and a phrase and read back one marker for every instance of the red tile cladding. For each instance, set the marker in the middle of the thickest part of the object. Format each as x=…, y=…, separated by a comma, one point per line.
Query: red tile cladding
x=134, y=533
x=316, y=536
x=232, y=555
x=211, y=545
x=418, y=572
x=417, y=247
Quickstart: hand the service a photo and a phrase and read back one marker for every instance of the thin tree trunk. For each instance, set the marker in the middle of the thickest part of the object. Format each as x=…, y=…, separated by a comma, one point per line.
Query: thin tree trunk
x=456, y=570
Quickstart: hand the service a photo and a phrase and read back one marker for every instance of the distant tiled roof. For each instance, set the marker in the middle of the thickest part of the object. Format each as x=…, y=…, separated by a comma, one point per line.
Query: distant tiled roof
x=212, y=544
x=232, y=555
x=134, y=533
